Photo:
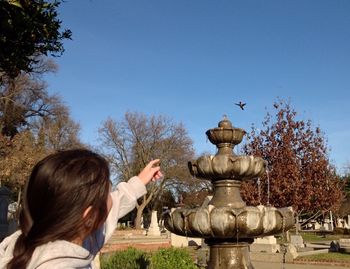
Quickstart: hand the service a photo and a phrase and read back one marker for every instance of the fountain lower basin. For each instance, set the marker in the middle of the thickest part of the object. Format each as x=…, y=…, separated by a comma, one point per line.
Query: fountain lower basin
x=228, y=222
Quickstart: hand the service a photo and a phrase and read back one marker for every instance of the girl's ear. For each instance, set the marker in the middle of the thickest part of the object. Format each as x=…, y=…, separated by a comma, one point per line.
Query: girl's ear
x=87, y=212
x=88, y=218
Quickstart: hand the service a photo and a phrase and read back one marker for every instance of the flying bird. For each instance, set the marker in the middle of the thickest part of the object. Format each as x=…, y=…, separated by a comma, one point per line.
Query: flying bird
x=241, y=105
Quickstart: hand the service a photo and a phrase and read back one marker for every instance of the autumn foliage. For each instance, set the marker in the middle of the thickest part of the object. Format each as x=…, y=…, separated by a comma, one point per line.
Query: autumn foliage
x=299, y=172
x=33, y=123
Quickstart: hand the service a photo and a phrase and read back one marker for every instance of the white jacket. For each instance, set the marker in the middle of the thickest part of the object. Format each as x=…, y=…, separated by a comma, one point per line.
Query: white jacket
x=63, y=254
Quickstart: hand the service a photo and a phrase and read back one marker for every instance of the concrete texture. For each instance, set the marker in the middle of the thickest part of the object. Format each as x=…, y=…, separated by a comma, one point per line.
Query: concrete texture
x=272, y=265
x=123, y=240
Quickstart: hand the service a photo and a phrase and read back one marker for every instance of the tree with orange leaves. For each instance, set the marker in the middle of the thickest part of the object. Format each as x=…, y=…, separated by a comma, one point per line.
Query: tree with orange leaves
x=299, y=171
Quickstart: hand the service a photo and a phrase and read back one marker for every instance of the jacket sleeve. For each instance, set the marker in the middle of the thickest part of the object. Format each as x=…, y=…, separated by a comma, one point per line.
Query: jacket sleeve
x=124, y=200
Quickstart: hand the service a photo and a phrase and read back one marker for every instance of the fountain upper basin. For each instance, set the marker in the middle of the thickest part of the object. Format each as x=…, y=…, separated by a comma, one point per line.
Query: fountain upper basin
x=226, y=134
x=228, y=222
x=227, y=166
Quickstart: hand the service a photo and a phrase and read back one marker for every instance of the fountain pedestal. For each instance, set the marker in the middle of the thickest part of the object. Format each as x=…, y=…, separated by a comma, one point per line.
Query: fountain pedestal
x=226, y=223
x=229, y=255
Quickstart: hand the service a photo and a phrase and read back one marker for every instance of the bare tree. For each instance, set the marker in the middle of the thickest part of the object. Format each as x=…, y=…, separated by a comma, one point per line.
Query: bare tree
x=132, y=142
x=59, y=132
x=25, y=98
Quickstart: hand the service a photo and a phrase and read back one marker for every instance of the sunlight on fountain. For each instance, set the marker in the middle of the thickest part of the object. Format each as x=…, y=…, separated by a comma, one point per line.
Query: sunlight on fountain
x=226, y=223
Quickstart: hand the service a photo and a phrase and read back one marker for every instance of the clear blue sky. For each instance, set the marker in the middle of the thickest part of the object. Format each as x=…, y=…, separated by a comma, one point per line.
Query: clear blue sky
x=191, y=60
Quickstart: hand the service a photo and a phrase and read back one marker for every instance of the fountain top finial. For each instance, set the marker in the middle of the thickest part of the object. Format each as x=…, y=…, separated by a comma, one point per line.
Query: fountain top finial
x=225, y=123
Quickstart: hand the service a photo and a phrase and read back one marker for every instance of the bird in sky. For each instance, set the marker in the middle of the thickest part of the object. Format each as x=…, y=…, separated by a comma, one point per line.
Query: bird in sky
x=241, y=105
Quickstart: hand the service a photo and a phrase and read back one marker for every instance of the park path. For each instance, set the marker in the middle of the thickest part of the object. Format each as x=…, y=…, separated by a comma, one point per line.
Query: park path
x=270, y=265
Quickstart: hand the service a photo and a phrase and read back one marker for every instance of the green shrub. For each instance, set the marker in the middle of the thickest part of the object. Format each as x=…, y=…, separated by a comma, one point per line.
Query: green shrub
x=126, y=259
x=132, y=258
x=170, y=258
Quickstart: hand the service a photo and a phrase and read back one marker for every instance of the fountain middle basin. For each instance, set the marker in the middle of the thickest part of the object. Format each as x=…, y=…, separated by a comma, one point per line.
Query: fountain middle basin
x=223, y=166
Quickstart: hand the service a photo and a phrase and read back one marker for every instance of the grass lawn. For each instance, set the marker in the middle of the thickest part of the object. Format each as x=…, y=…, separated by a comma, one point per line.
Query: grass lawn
x=327, y=257
x=312, y=237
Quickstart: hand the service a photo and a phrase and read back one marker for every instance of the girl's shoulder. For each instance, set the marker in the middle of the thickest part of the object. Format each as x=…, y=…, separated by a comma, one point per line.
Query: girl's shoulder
x=6, y=249
x=60, y=254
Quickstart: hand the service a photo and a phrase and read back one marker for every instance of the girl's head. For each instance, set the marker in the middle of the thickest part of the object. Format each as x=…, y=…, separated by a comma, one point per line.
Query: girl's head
x=65, y=199
x=61, y=189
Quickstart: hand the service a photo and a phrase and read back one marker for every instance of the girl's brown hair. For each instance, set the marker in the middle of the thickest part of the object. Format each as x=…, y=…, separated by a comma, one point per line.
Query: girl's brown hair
x=60, y=188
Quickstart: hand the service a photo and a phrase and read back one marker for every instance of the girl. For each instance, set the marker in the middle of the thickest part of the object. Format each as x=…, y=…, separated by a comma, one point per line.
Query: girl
x=68, y=212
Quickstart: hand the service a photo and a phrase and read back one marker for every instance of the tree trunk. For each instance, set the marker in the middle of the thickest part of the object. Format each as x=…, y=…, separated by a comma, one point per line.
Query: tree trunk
x=297, y=224
x=141, y=207
x=139, y=214
x=331, y=220
x=18, y=209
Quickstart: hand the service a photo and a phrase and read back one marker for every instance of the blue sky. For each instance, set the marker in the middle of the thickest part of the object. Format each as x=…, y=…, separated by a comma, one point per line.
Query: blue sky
x=191, y=60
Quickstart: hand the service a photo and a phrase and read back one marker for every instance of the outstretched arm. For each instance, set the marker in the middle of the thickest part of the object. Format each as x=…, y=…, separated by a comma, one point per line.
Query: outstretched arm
x=125, y=197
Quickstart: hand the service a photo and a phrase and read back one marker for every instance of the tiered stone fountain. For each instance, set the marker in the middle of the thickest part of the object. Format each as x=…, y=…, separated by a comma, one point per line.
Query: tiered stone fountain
x=227, y=224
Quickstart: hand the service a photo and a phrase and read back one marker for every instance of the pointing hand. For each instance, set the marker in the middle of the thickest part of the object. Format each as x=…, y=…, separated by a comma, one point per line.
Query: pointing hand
x=151, y=172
